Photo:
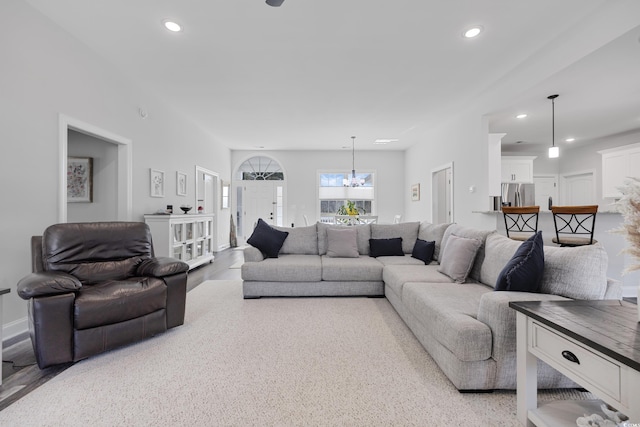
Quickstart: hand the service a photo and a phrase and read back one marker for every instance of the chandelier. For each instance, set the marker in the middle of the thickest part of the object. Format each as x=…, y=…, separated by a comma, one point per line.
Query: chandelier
x=354, y=182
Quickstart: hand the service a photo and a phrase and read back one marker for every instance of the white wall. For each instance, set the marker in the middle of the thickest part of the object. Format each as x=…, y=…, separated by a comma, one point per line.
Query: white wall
x=301, y=173
x=46, y=72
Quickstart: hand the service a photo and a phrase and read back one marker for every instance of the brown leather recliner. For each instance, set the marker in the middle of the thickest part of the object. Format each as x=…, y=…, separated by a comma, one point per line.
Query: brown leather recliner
x=97, y=286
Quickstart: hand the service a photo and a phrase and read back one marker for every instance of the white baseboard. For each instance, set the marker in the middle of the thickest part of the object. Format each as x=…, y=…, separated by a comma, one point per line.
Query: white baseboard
x=223, y=247
x=15, y=328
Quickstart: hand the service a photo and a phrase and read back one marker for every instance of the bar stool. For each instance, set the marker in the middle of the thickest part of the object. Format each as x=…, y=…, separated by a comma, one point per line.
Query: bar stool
x=521, y=222
x=574, y=224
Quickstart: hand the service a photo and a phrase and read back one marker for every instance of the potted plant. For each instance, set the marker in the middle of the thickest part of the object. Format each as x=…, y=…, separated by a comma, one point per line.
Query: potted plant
x=350, y=209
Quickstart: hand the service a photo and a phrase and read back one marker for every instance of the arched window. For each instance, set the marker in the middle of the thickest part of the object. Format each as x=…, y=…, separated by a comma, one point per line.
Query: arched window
x=260, y=169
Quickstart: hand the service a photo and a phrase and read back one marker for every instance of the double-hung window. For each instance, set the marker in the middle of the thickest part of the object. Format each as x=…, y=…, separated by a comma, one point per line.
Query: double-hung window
x=335, y=189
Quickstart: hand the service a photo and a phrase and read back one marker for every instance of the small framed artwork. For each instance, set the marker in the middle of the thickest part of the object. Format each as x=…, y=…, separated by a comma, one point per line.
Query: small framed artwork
x=156, y=179
x=79, y=179
x=225, y=195
x=415, y=192
x=181, y=183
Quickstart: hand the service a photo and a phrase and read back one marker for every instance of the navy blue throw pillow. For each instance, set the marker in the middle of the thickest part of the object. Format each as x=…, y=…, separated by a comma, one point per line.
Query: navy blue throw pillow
x=423, y=250
x=267, y=239
x=385, y=247
x=524, y=270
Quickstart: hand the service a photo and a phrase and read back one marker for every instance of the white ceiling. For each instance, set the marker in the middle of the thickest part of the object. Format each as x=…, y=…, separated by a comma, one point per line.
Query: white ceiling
x=312, y=73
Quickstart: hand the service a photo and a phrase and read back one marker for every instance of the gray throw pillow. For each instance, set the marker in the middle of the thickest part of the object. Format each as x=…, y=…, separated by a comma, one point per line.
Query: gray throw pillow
x=342, y=243
x=458, y=257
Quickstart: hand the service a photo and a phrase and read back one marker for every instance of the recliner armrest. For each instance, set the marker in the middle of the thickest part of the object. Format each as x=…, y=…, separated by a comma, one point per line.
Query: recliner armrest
x=161, y=267
x=47, y=283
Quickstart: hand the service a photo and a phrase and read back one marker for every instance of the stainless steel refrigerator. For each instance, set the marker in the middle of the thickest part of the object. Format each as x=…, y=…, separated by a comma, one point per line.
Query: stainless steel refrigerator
x=518, y=194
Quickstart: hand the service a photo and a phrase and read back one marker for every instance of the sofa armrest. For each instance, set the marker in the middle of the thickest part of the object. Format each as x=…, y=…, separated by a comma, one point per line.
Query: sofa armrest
x=252, y=254
x=161, y=267
x=47, y=283
x=494, y=311
x=614, y=289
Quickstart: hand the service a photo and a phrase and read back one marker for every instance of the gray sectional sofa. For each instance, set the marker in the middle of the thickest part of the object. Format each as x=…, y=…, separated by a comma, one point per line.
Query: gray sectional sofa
x=465, y=325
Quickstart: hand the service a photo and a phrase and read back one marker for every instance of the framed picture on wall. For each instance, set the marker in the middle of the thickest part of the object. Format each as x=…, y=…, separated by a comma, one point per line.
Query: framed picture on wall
x=181, y=183
x=156, y=179
x=415, y=192
x=79, y=179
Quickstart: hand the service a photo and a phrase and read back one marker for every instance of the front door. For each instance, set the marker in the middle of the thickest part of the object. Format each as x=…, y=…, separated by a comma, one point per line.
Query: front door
x=262, y=199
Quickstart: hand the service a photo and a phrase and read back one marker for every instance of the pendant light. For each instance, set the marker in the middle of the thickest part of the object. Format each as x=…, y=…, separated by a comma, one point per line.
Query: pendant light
x=274, y=3
x=553, y=150
x=354, y=182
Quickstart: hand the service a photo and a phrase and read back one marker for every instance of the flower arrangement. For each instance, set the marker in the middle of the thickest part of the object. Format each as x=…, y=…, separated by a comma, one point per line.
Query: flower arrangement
x=629, y=207
x=350, y=209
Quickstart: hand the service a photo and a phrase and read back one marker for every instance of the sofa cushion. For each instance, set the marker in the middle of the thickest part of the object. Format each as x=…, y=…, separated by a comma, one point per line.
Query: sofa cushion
x=117, y=301
x=407, y=230
x=469, y=233
x=363, y=232
x=449, y=311
x=498, y=251
x=524, y=270
x=386, y=247
x=267, y=239
x=399, y=260
x=286, y=268
x=395, y=276
x=434, y=233
x=342, y=243
x=578, y=273
x=364, y=268
x=301, y=240
x=423, y=250
x=458, y=257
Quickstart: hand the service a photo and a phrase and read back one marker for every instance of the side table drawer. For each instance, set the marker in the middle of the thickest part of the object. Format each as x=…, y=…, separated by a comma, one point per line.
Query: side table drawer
x=589, y=367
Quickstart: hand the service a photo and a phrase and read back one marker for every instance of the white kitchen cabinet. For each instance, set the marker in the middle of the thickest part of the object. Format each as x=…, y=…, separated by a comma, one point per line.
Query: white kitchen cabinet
x=617, y=165
x=188, y=238
x=518, y=169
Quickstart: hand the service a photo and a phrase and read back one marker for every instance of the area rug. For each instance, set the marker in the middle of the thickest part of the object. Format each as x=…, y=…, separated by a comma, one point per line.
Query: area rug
x=266, y=362
x=237, y=265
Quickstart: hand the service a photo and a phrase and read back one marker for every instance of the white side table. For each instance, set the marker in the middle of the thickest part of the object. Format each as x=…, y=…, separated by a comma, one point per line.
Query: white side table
x=595, y=343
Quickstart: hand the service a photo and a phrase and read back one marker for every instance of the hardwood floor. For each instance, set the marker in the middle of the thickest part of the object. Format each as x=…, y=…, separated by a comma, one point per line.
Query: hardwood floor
x=21, y=375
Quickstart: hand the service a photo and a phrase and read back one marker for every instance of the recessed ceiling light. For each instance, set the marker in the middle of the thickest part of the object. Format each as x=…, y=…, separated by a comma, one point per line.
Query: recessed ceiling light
x=172, y=26
x=473, y=32
x=570, y=139
x=521, y=116
x=384, y=141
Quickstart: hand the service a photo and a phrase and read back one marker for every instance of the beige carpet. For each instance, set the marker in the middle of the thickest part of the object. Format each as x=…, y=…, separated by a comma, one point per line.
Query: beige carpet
x=267, y=362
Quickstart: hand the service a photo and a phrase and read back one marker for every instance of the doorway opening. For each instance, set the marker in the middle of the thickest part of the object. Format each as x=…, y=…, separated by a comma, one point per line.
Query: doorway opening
x=207, y=184
x=442, y=194
x=120, y=170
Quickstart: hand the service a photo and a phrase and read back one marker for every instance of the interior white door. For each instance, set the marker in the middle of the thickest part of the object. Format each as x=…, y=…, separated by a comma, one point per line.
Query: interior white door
x=545, y=187
x=579, y=189
x=442, y=194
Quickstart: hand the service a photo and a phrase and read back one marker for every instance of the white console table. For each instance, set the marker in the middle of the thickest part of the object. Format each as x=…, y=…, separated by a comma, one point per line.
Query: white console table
x=595, y=343
x=188, y=238
x=2, y=292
